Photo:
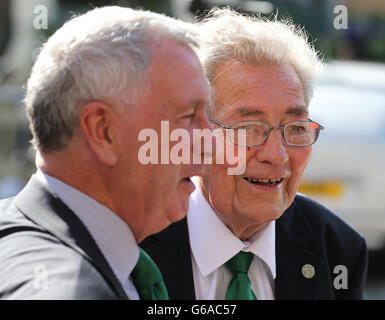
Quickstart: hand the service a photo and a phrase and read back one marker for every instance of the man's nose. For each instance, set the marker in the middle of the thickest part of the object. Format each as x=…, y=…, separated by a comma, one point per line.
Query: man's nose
x=204, y=143
x=203, y=122
x=273, y=150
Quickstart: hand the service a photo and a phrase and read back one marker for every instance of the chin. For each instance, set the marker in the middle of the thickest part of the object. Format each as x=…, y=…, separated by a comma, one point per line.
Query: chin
x=179, y=211
x=184, y=206
x=263, y=214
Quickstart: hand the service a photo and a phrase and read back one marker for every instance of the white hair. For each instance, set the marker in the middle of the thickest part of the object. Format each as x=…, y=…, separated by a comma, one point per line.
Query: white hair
x=227, y=36
x=97, y=55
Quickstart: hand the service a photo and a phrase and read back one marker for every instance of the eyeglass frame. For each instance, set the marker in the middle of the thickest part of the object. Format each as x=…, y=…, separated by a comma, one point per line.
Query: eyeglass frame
x=320, y=127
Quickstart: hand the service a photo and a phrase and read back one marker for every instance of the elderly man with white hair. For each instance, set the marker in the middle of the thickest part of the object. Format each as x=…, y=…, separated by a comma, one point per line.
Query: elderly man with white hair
x=72, y=232
x=252, y=236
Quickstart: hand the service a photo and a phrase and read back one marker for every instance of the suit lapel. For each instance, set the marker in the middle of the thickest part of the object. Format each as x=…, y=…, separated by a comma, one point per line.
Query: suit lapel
x=294, y=240
x=173, y=260
x=48, y=211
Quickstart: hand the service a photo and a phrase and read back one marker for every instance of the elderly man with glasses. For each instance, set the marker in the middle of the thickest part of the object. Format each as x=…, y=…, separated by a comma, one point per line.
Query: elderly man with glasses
x=252, y=236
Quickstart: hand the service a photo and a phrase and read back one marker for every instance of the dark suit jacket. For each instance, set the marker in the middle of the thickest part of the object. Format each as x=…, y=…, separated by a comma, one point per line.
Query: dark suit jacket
x=307, y=233
x=47, y=253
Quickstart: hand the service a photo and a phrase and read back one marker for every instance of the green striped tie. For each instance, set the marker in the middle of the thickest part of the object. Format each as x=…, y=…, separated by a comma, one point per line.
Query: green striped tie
x=148, y=280
x=239, y=287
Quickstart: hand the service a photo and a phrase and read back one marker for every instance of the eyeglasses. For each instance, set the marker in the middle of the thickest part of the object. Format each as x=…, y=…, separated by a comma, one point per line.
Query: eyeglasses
x=299, y=133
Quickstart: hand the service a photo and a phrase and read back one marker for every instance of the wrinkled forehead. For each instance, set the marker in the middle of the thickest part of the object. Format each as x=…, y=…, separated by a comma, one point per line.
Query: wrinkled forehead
x=248, y=90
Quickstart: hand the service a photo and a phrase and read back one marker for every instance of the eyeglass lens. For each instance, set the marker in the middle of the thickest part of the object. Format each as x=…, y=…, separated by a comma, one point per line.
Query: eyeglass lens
x=299, y=133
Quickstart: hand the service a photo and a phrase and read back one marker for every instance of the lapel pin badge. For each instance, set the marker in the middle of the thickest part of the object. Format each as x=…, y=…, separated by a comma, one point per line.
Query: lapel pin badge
x=308, y=271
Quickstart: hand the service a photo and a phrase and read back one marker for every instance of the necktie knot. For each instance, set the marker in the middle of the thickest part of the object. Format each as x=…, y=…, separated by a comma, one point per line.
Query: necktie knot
x=240, y=263
x=147, y=279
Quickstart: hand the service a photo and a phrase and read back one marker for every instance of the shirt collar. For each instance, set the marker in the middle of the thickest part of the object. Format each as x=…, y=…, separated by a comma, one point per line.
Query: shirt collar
x=113, y=236
x=212, y=243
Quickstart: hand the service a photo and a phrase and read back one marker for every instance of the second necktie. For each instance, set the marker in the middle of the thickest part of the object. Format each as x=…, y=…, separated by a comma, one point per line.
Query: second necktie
x=148, y=280
x=239, y=287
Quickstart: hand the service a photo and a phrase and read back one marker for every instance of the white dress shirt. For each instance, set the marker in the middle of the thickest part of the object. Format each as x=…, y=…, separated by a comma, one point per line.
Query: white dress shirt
x=213, y=244
x=113, y=236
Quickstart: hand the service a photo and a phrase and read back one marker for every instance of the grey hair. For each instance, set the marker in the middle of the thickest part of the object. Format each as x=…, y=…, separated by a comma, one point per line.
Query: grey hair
x=98, y=55
x=228, y=37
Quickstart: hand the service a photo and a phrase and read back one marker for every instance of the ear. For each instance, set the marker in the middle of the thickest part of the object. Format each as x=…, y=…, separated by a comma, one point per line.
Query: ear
x=97, y=124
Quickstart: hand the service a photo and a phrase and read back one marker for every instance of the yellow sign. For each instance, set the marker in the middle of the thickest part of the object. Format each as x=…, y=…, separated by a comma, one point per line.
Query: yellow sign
x=324, y=188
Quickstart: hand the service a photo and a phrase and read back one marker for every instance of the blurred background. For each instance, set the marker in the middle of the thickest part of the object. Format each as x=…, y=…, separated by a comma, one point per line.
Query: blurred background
x=347, y=168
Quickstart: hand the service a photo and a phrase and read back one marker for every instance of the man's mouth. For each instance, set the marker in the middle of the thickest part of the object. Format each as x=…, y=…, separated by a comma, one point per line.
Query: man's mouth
x=264, y=182
x=187, y=180
x=187, y=183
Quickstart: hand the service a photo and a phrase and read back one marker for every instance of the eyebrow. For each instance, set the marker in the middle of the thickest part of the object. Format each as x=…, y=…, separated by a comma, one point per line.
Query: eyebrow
x=296, y=110
x=244, y=111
